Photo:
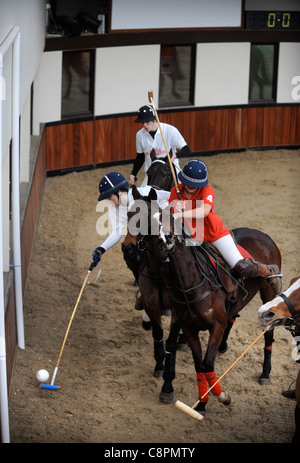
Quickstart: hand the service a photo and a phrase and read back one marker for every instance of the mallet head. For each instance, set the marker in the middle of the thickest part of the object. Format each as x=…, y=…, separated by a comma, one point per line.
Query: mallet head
x=50, y=386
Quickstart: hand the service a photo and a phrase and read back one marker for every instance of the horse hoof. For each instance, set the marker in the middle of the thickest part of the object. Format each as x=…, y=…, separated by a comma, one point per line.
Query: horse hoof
x=158, y=374
x=146, y=325
x=223, y=348
x=182, y=347
x=264, y=381
x=166, y=312
x=224, y=398
x=201, y=408
x=182, y=343
x=166, y=397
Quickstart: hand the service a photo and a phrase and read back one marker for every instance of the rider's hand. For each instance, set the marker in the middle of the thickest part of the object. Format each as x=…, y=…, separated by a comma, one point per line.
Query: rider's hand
x=132, y=180
x=96, y=256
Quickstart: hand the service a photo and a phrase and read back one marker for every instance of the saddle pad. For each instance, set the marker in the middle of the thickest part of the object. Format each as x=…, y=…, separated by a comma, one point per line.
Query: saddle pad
x=244, y=252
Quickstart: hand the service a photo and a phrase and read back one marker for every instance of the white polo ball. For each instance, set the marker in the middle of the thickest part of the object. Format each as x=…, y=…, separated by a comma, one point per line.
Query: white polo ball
x=42, y=376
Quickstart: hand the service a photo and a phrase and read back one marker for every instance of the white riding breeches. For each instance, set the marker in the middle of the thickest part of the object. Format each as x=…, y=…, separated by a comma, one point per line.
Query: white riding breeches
x=227, y=247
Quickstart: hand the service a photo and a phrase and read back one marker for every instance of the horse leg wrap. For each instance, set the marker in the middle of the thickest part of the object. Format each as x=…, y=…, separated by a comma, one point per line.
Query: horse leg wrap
x=211, y=379
x=202, y=387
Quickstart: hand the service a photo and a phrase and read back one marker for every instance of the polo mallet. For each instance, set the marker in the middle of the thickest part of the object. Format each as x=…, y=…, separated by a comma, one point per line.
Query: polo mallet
x=52, y=385
x=150, y=98
x=94, y=283
x=191, y=410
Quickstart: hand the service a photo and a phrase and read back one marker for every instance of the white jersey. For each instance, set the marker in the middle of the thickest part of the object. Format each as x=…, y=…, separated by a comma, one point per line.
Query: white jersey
x=118, y=215
x=145, y=142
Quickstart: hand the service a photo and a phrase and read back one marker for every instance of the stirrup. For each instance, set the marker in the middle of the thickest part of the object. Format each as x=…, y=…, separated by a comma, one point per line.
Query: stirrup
x=280, y=275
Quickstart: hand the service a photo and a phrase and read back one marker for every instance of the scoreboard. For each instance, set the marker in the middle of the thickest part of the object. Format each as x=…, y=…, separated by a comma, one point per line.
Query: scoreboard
x=270, y=20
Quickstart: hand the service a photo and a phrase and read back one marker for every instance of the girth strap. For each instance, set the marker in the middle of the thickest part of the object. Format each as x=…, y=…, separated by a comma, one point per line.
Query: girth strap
x=198, y=299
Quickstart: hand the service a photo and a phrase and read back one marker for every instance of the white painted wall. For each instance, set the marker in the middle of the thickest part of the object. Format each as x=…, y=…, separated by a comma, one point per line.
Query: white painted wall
x=25, y=141
x=47, y=90
x=5, y=211
x=288, y=73
x=222, y=74
x=124, y=75
x=30, y=17
x=157, y=14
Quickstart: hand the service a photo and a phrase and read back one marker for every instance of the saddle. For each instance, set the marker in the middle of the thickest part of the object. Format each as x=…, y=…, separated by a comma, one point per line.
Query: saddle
x=221, y=267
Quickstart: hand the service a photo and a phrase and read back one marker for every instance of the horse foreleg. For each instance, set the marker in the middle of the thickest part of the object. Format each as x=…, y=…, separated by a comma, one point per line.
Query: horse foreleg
x=216, y=333
x=264, y=378
x=167, y=392
x=159, y=350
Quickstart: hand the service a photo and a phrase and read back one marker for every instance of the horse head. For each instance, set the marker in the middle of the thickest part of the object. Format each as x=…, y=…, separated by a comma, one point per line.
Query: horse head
x=147, y=221
x=159, y=173
x=283, y=309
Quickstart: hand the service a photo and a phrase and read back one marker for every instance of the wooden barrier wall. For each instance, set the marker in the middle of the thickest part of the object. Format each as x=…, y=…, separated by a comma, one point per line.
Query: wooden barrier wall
x=113, y=138
x=27, y=241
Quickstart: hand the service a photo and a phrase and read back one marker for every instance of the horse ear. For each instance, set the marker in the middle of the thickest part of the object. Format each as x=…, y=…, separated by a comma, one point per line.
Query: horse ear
x=171, y=153
x=152, y=195
x=135, y=193
x=153, y=154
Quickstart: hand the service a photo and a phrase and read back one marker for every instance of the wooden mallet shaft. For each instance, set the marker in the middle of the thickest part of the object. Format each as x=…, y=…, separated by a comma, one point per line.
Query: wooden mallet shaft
x=51, y=385
x=150, y=98
x=190, y=410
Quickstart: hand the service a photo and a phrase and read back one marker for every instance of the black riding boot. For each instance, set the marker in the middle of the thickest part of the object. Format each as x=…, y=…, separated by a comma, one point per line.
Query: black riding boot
x=248, y=268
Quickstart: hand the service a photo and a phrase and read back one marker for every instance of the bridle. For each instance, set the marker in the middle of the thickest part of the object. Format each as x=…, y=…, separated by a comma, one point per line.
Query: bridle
x=167, y=184
x=290, y=306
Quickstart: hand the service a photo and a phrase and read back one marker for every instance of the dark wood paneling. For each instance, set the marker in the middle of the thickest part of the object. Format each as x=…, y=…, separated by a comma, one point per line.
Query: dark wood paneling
x=168, y=37
x=113, y=138
x=32, y=209
x=70, y=145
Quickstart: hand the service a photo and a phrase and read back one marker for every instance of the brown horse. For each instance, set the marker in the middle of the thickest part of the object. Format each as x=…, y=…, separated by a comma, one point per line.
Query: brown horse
x=199, y=297
x=159, y=173
x=153, y=294
x=285, y=310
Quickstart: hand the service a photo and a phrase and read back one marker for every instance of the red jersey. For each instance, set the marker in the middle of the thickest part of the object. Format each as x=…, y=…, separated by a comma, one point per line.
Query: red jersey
x=213, y=225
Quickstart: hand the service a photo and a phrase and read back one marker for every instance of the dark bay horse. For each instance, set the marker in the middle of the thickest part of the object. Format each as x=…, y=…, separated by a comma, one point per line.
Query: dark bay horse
x=198, y=299
x=154, y=297
x=285, y=310
x=159, y=173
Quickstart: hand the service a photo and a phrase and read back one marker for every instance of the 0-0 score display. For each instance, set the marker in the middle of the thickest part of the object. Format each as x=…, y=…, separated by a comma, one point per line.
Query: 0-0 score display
x=280, y=20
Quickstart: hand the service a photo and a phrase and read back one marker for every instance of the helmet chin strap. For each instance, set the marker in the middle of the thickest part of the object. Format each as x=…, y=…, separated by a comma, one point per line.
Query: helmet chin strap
x=120, y=194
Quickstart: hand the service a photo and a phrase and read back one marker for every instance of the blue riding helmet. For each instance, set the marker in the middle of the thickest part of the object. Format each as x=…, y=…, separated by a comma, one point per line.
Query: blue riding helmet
x=145, y=114
x=194, y=174
x=110, y=184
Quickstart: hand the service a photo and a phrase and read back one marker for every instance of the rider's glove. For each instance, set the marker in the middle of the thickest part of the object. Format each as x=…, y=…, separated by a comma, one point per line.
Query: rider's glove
x=96, y=256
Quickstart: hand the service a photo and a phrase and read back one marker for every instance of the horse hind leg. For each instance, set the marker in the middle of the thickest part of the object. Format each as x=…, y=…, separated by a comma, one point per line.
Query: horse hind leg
x=223, y=346
x=266, y=294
